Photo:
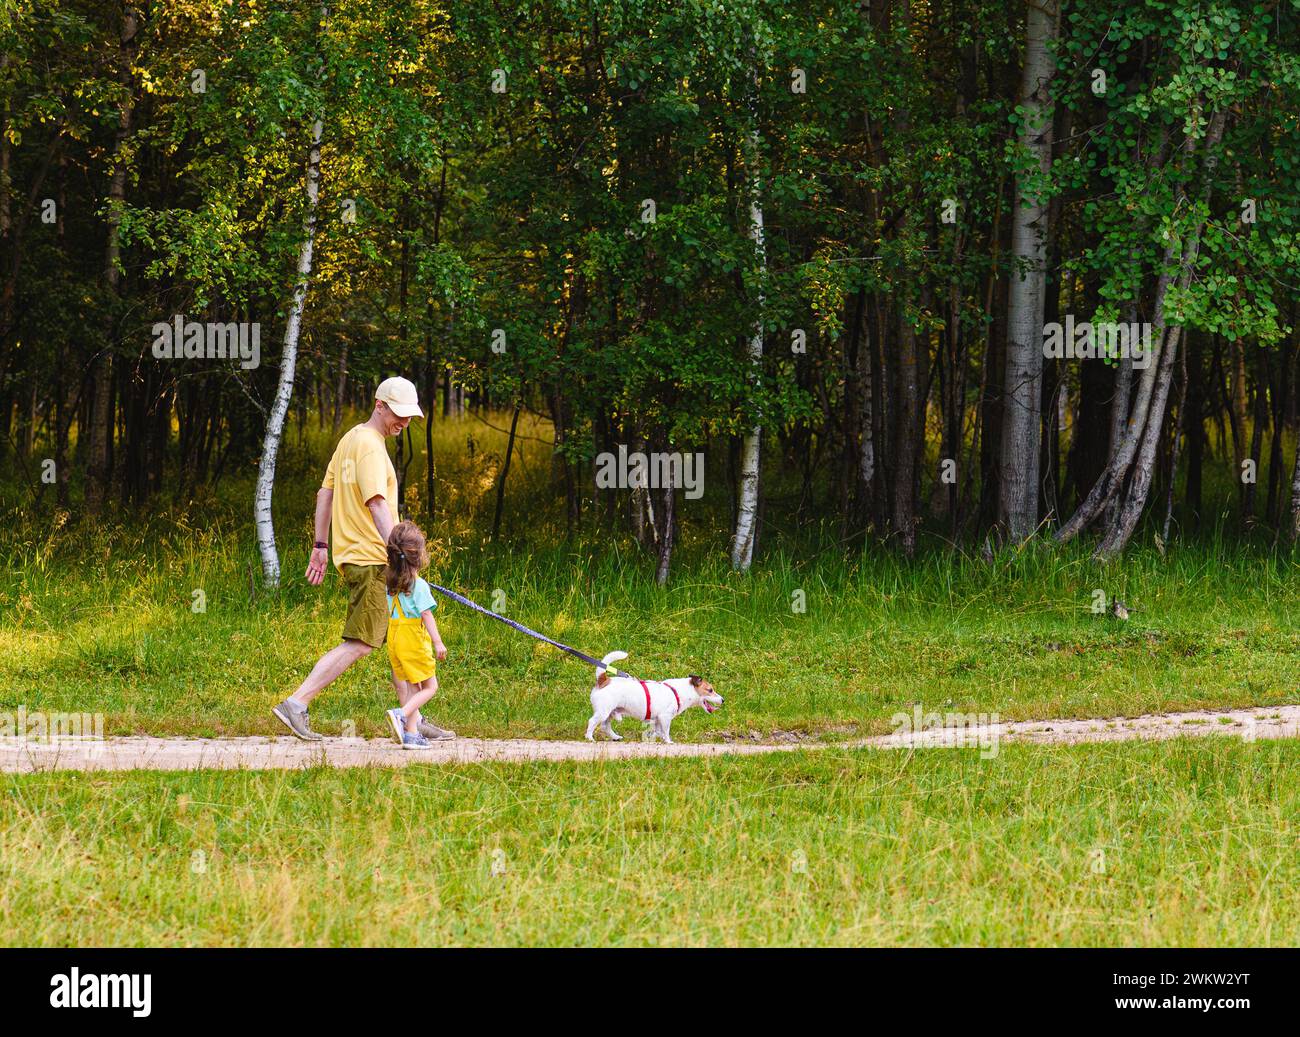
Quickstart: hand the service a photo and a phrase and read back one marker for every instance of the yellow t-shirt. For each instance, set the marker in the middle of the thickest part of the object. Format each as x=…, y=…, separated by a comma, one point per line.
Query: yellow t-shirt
x=359, y=470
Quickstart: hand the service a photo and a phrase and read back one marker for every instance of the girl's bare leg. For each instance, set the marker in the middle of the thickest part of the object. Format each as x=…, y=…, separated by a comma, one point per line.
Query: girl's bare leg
x=403, y=690
x=419, y=695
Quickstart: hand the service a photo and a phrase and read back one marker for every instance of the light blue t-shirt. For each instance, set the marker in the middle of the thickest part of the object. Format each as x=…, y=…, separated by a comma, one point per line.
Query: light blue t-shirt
x=414, y=601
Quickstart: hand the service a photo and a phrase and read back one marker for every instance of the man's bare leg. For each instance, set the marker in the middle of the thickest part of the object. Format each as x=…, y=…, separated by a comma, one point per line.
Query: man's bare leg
x=328, y=667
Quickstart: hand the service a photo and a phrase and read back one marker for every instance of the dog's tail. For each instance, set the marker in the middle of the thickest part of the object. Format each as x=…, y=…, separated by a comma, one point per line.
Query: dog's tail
x=612, y=657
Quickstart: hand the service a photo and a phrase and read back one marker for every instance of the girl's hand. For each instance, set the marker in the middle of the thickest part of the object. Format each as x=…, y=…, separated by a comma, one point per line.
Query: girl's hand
x=440, y=650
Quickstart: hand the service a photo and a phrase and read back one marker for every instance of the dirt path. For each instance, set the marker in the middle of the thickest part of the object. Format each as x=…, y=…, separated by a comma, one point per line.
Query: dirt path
x=1249, y=724
x=178, y=754
x=144, y=753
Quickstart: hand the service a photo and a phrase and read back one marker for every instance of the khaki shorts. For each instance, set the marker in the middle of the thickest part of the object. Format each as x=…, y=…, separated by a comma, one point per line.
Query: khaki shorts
x=367, y=604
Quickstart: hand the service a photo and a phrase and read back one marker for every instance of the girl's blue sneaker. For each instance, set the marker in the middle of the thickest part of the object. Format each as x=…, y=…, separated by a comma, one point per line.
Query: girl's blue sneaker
x=398, y=723
x=415, y=740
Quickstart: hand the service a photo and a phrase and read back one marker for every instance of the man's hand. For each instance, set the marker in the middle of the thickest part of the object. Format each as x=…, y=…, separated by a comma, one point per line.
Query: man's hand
x=320, y=558
x=440, y=650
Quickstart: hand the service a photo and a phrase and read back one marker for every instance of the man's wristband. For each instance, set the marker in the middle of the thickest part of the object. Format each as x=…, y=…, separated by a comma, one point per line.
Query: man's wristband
x=319, y=544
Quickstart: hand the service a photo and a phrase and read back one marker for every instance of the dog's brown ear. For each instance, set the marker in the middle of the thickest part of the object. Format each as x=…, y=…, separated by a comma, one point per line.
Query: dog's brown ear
x=696, y=680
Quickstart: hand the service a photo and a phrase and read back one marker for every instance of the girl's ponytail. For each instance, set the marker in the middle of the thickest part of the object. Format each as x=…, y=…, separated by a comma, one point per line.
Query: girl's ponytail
x=407, y=555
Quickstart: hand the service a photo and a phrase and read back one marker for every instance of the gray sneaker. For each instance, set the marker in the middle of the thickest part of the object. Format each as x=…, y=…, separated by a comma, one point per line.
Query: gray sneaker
x=398, y=723
x=433, y=732
x=296, y=721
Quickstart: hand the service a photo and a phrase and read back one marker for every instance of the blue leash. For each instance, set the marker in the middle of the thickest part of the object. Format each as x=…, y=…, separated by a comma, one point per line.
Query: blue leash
x=524, y=630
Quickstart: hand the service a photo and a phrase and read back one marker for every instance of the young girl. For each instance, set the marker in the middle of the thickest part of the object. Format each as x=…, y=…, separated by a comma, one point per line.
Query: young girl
x=413, y=637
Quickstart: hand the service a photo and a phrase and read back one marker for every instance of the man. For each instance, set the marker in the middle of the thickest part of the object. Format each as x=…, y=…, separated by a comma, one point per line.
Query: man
x=357, y=502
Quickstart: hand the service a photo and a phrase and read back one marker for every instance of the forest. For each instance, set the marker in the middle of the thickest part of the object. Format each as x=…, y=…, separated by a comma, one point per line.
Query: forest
x=968, y=273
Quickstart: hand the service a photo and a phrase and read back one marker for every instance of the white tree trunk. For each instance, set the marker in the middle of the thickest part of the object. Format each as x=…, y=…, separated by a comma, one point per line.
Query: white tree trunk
x=1112, y=476
x=666, y=540
x=1022, y=396
x=1119, y=411
x=1126, y=518
x=867, y=452
x=1295, y=499
x=288, y=361
x=742, y=542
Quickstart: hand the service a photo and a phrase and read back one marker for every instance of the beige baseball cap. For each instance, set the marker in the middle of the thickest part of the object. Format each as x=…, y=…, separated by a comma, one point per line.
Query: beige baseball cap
x=401, y=397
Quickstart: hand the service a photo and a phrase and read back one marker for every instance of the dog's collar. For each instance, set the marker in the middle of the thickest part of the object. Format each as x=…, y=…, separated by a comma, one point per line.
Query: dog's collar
x=646, y=688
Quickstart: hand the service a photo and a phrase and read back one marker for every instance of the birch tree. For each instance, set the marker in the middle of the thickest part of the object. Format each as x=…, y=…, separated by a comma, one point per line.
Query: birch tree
x=288, y=360
x=1170, y=243
x=1126, y=517
x=742, y=542
x=1022, y=391
x=1294, y=528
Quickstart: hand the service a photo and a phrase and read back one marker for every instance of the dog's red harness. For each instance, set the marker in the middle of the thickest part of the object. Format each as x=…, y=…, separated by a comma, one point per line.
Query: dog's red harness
x=646, y=688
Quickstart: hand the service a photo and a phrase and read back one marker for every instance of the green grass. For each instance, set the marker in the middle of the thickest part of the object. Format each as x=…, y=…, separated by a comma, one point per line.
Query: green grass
x=1183, y=842
x=1023, y=645
x=1190, y=842
x=100, y=618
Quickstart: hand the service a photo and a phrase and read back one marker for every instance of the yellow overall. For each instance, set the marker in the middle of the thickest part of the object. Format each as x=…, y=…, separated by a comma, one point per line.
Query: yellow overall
x=409, y=648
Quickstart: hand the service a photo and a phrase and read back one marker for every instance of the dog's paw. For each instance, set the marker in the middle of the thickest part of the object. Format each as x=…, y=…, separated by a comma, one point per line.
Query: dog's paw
x=613, y=737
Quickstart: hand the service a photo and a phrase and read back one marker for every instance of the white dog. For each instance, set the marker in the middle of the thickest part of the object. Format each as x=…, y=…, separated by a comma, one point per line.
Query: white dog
x=655, y=702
